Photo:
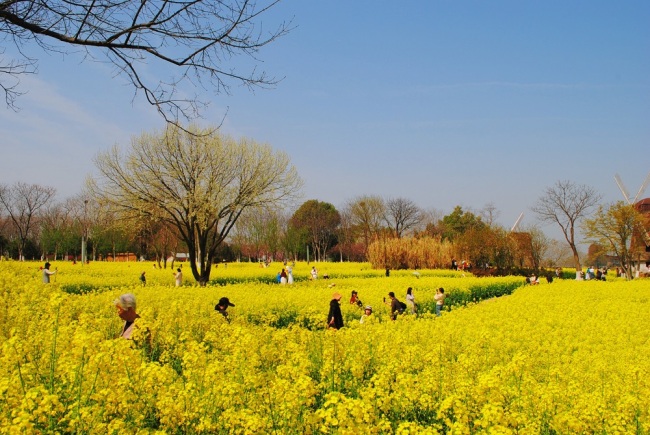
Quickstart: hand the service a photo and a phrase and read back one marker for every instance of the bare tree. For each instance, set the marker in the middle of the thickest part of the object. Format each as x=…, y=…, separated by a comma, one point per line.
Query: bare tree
x=402, y=215
x=366, y=214
x=199, y=38
x=489, y=213
x=557, y=254
x=22, y=202
x=566, y=203
x=539, y=244
x=198, y=181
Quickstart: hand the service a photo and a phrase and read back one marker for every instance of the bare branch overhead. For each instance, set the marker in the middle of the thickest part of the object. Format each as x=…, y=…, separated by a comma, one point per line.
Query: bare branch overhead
x=200, y=39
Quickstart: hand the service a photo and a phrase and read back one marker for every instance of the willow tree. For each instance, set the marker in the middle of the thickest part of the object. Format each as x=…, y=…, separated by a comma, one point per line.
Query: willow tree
x=198, y=181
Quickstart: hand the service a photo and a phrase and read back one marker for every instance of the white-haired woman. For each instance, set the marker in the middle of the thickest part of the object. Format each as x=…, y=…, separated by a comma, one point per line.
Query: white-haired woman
x=125, y=305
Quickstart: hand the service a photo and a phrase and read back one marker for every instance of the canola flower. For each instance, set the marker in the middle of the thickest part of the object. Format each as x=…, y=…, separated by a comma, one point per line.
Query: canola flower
x=566, y=357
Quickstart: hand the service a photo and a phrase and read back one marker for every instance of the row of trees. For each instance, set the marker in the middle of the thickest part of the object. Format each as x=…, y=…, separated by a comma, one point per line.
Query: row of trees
x=196, y=191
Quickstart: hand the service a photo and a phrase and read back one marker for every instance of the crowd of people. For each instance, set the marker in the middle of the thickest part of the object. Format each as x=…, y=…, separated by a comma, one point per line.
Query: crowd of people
x=397, y=307
x=126, y=303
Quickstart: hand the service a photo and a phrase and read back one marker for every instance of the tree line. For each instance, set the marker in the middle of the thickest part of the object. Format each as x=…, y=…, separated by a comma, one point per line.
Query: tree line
x=197, y=191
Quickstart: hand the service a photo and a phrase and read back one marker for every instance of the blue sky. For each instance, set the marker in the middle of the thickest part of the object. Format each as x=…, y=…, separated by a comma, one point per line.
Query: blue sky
x=445, y=103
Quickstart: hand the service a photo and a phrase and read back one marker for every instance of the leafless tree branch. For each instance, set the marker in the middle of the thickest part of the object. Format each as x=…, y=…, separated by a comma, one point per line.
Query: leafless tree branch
x=200, y=39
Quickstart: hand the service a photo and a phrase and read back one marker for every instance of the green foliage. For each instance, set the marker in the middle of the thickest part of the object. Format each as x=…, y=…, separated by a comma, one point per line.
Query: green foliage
x=459, y=221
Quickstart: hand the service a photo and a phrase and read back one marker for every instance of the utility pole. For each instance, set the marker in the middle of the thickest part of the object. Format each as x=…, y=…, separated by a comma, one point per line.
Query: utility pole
x=84, y=234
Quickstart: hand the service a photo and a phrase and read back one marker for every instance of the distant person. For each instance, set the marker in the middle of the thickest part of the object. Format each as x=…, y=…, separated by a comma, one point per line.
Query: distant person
x=283, y=276
x=289, y=275
x=222, y=307
x=125, y=305
x=143, y=279
x=440, y=300
x=367, y=314
x=335, y=316
x=47, y=273
x=454, y=264
x=178, y=277
x=354, y=299
x=387, y=271
x=314, y=273
x=410, y=300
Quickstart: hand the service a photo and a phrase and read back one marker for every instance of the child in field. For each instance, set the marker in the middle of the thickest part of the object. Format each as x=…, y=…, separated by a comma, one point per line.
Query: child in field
x=440, y=300
x=47, y=273
x=178, y=277
x=410, y=299
x=367, y=314
x=222, y=306
x=354, y=299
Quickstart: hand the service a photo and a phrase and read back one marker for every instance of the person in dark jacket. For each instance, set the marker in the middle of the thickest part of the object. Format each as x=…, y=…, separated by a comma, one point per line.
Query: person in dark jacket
x=222, y=306
x=396, y=307
x=335, y=317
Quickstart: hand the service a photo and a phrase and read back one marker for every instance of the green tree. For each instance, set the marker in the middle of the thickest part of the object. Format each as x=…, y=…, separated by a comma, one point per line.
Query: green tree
x=318, y=222
x=458, y=222
x=199, y=181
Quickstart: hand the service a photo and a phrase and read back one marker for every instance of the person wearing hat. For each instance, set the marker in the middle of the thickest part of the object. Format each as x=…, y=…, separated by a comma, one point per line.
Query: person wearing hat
x=335, y=317
x=367, y=314
x=223, y=305
x=47, y=272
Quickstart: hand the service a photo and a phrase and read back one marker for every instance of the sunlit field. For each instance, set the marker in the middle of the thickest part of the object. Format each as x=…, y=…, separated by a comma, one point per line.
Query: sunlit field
x=560, y=358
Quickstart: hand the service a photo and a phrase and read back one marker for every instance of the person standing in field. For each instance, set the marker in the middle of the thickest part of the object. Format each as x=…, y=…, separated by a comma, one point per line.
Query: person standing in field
x=47, y=273
x=410, y=300
x=440, y=300
x=143, y=279
x=178, y=277
x=314, y=273
x=396, y=307
x=289, y=275
x=335, y=316
x=283, y=276
x=125, y=305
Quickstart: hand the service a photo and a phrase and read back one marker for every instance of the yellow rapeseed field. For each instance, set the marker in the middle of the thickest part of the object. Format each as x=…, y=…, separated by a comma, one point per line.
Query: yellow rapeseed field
x=561, y=358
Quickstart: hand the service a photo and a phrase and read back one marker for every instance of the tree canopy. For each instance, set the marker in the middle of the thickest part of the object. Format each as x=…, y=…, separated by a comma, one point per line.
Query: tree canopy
x=318, y=221
x=198, y=181
x=614, y=227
